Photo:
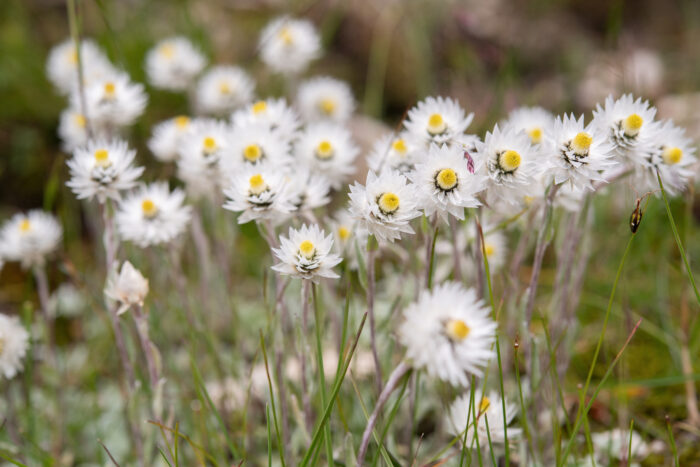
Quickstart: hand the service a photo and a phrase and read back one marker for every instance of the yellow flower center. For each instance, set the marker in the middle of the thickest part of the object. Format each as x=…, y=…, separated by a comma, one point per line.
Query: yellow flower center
x=167, y=50
x=327, y=106
x=484, y=404
x=209, y=144
x=110, y=89
x=490, y=250
x=457, y=330
x=307, y=249
x=446, y=179
x=286, y=36
x=509, y=160
x=324, y=150
x=672, y=155
x=535, y=135
x=25, y=226
x=581, y=143
x=632, y=124
x=388, y=202
x=343, y=233
x=259, y=107
x=436, y=124
x=149, y=208
x=73, y=56
x=79, y=120
x=257, y=184
x=182, y=122
x=102, y=158
x=399, y=146
x=252, y=153
x=224, y=88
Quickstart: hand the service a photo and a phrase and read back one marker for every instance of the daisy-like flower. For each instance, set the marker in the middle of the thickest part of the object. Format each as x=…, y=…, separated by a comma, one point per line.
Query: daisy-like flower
x=385, y=206
x=395, y=152
x=350, y=237
x=511, y=164
x=445, y=183
x=62, y=64
x=670, y=152
x=328, y=149
x=14, y=340
x=168, y=137
x=536, y=122
x=627, y=122
x=460, y=417
x=152, y=215
x=307, y=190
x=200, y=152
x=72, y=129
x=30, y=238
x=128, y=287
x=254, y=144
x=102, y=169
x=325, y=98
x=448, y=332
x=173, y=64
x=437, y=120
x=275, y=113
x=222, y=89
x=287, y=45
x=615, y=444
x=113, y=100
x=306, y=253
x=258, y=193
x=579, y=153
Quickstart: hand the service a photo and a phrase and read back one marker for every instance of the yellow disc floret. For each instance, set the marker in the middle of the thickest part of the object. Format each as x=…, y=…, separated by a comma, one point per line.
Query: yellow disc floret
x=182, y=122
x=343, y=232
x=167, y=50
x=259, y=107
x=535, y=135
x=436, y=124
x=484, y=404
x=110, y=89
x=252, y=153
x=457, y=330
x=327, y=105
x=149, y=208
x=399, y=146
x=581, y=143
x=388, y=202
x=509, y=160
x=324, y=150
x=307, y=249
x=209, y=144
x=446, y=179
x=102, y=158
x=632, y=124
x=79, y=120
x=224, y=88
x=257, y=184
x=286, y=36
x=25, y=225
x=672, y=155
x=489, y=249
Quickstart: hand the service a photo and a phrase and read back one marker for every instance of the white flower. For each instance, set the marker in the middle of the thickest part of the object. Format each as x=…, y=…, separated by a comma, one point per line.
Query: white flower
x=288, y=45
x=448, y=332
x=173, y=64
x=223, y=88
x=437, y=120
x=152, y=215
x=385, y=206
x=627, y=122
x=350, y=237
x=168, y=137
x=536, y=122
x=325, y=98
x=307, y=190
x=395, y=152
x=327, y=148
x=258, y=193
x=200, y=152
x=14, y=340
x=511, y=164
x=275, y=113
x=489, y=409
x=128, y=287
x=62, y=64
x=445, y=183
x=112, y=101
x=30, y=238
x=252, y=144
x=306, y=253
x=615, y=444
x=670, y=152
x=102, y=169
x=72, y=129
x=579, y=153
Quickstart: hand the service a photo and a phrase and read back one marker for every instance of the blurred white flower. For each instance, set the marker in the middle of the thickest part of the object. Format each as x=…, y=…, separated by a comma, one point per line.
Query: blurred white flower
x=306, y=253
x=328, y=148
x=112, y=101
x=14, y=340
x=173, y=64
x=62, y=64
x=628, y=123
x=536, y=122
x=307, y=190
x=102, y=169
x=615, y=444
x=67, y=300
x=449, y=333
x=168, y=137
x=252, y=144
x=325, y=98
x=287, y=45
x=437, y=120
x=152, y=215
x=395, y=152
x=222, y=89
x=258, y=193
x=200, y=152
x=489, y=409
x=72, y=129
x=350, y=237
x=128, y=287
x=29, y=238
x=275, y=113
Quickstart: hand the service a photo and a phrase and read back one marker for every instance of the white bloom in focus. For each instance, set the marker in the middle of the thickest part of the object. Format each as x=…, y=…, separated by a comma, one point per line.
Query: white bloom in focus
x=222, y=89
x=307, y=190
x=29, y=238
x=275, y=113
x=445, y=183
x=62, y=64
x=328, y=148
x=325, y=98
x=306, y=253
x=152, y=215
x=395, y=152
x=258, y=193
x=127, y=287
x=437, y=120
x=288, y=45
x=489, y=408
x=14, y=340
x=168, y=137
x=579, y=153
x=102, y=169
x=200, y=152
x=536, y=122
x=385, y=205
x=253, y=144
x=112, y=101
x=173, y=64
x=449, y=333
x=628, y=123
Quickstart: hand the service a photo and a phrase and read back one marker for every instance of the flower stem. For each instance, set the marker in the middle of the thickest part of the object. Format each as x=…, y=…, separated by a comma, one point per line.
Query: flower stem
x=371, y=253
x=146, y=345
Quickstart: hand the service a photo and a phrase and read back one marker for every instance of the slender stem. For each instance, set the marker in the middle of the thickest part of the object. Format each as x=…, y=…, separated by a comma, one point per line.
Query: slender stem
x=371, y=253
x=691, y=396
x=479, y=257
x=456, y=253
x=201, y=244
x=146, y=345
x=391, y=384
x=75, y=35
x=303, y=357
